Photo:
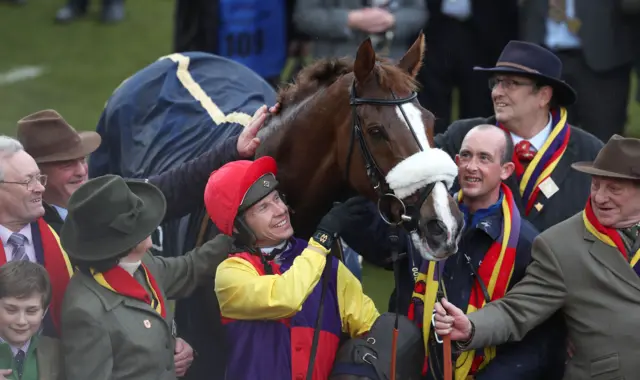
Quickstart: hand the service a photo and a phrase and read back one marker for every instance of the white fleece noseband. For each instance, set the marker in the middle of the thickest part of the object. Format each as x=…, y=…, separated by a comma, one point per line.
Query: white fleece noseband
x=421, y=169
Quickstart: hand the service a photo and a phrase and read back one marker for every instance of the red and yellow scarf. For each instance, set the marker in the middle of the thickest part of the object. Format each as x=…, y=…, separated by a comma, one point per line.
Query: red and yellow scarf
x=56, y=263
x=495, y=271
x=121, y=282
x=608, y=235
x=545, y=160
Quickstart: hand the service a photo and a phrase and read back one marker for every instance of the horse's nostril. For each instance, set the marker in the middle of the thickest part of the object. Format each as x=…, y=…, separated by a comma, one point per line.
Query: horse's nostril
x=436, y=228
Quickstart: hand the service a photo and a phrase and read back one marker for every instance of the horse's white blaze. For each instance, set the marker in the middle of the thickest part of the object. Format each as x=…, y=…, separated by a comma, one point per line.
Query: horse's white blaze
x=440, y=197
x=415, y=122
x=417, y=171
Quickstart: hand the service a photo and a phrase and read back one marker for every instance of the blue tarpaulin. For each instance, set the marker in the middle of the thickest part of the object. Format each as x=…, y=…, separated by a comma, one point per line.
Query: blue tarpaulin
x=174, y=110
x=170, y=112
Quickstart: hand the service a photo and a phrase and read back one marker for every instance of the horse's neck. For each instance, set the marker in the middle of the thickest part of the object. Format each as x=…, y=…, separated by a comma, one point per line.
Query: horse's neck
x=308, y=173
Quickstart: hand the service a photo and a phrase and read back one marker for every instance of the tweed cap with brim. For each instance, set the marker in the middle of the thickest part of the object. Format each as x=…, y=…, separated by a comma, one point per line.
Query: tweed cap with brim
x=47, y=137
x=108, y=216
x=619, y=158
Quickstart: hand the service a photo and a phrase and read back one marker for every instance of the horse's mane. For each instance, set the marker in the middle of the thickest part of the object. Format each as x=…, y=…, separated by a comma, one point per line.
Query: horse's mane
x=323, y=73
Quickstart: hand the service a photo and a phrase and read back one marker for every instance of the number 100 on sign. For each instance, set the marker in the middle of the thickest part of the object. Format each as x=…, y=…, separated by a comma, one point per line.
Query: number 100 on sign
x=244, y=44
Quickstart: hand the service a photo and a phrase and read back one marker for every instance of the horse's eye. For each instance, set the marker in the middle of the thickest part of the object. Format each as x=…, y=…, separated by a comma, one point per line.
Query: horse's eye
x=376, y=132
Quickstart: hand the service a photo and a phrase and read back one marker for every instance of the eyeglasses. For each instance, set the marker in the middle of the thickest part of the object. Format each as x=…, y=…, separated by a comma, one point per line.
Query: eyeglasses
x=507, y=84
x=31, y=182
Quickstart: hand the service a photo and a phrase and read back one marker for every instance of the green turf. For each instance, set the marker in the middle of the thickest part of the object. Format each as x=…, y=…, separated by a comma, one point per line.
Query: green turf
x=86, y=61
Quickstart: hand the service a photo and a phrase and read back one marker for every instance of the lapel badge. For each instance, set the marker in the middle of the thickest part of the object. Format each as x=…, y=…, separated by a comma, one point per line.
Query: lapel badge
x=147, y=323
x=538, y=206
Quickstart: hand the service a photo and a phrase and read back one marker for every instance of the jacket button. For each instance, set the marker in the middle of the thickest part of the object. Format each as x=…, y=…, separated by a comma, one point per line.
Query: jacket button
x=299, y=377
x=298, y=349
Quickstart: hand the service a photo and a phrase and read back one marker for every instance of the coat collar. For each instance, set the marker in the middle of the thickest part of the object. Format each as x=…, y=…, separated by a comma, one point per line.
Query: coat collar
x=612, y=259
x=110, y=300
x=488, y=220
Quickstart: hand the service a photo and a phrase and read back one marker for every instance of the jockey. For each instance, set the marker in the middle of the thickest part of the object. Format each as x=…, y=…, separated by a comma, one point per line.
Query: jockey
x=272, y=290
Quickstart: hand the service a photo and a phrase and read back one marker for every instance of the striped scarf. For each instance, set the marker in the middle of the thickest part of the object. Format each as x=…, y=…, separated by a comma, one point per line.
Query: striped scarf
x=545, y=160
x=56, y=263
x=608, y=236
x=495, y=272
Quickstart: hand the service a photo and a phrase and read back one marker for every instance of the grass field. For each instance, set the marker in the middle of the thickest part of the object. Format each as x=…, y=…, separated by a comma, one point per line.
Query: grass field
x=76, y=67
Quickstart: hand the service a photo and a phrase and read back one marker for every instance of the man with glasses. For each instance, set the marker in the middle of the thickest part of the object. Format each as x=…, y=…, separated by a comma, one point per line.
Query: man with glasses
x=529, y=101
x=24, y=233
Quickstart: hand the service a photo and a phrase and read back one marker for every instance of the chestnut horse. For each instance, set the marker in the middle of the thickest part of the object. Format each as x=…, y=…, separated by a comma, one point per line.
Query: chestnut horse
x=344, y=127
x=350, y=127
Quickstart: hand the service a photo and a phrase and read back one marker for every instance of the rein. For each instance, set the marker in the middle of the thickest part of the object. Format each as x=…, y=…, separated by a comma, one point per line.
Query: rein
x=410, y=214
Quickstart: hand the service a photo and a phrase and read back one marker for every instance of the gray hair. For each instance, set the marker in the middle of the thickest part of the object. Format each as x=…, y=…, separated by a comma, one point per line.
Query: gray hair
x=8, y=147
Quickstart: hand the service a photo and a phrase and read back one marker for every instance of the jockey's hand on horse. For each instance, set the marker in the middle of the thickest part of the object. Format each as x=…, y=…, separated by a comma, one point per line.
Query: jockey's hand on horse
x=343, y=215
x=449, y=320
x=5, y=372
x=247, y=141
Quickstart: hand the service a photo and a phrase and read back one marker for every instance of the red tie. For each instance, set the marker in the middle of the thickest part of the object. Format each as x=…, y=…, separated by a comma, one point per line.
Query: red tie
x=524, y=151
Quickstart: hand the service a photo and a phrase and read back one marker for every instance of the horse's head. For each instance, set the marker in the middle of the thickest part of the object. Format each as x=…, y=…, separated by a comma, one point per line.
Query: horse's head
x=390, y=155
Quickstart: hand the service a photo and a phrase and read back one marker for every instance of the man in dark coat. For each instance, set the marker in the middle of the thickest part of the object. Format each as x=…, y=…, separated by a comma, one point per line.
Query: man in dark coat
x=529, y=101
x=493, y=254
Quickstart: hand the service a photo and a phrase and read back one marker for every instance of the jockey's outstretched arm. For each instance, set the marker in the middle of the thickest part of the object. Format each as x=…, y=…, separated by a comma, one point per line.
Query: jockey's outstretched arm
x=244, y=294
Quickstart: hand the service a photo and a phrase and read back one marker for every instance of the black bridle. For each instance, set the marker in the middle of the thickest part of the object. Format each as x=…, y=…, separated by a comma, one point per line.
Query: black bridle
x=410, y=215
x=410, y=212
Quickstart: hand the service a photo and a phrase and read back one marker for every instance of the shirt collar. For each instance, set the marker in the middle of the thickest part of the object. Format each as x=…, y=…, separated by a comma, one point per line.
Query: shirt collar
x=274, y=252
x=5, y=234
x=61, y=211
x=486, y=219
x=538, y=140
x=14, y=350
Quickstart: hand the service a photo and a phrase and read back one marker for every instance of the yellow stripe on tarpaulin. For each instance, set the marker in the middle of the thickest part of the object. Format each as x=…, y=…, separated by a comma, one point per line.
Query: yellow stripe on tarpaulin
x=184, y=76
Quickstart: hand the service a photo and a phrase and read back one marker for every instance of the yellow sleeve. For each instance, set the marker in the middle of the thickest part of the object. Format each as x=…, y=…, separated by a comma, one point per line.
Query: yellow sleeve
x=357, y=310
x=244, y=294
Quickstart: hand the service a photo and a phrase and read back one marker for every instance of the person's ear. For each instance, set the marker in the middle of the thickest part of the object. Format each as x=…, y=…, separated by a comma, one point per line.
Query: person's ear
x=507, y=170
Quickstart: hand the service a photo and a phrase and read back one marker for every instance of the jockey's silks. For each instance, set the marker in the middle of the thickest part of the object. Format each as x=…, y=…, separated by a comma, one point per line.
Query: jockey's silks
x=52, y=256
x=120, y=281
x=253, y=32
x=270, y=319
x=495, y=271
x=609, y=236
x=545, y=160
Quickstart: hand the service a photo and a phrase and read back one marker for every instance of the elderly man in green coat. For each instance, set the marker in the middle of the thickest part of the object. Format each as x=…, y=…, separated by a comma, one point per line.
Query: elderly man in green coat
x=115, y=319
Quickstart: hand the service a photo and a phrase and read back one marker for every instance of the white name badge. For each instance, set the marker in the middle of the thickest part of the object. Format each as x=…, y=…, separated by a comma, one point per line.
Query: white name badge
x=548, y=187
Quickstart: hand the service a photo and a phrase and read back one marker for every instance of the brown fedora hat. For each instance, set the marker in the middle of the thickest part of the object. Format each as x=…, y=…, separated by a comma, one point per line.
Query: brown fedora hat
x=619, y=158
x=47, y=137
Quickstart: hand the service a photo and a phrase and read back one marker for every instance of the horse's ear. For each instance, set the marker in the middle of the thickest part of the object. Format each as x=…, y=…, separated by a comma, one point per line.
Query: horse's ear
x=365, y=61
x=412, y=59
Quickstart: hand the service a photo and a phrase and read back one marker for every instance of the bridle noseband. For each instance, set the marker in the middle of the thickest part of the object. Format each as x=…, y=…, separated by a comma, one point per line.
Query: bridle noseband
x=410, y=214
